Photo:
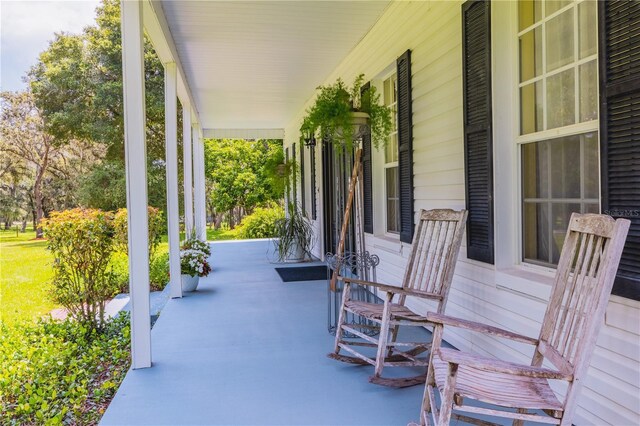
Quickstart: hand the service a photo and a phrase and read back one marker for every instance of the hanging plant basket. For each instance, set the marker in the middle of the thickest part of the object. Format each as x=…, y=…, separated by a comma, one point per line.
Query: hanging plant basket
x=343, y=114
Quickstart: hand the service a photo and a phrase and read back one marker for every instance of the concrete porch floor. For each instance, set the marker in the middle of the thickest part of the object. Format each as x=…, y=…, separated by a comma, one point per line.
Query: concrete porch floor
x=249, y=349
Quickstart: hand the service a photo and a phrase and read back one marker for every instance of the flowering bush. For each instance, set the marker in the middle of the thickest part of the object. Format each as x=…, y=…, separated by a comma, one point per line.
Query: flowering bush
x=81, y=241
x=193, y=257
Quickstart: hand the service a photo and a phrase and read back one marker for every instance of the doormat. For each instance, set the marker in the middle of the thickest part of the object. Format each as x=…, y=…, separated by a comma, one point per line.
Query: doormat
x=303, y=273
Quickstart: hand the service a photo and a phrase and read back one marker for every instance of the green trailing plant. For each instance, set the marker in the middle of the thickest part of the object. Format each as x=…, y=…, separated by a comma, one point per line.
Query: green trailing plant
x=331, y=115
x=81, y=241
x=293, y=232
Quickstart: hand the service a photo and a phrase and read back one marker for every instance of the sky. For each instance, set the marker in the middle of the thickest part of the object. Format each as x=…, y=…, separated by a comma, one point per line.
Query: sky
x=26, y=27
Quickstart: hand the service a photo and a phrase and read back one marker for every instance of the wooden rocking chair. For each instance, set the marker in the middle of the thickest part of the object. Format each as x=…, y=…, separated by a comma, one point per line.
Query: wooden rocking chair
x=428, y=275
x=575, y=312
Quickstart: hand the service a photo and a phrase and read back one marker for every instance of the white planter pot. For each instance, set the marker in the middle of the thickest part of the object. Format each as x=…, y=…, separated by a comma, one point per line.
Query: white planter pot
x=360, y=125
x=189, y=282
x=296, y=254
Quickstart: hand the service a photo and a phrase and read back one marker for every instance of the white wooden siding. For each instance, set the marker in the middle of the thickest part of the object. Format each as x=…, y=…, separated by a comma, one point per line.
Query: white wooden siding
x=513, y=299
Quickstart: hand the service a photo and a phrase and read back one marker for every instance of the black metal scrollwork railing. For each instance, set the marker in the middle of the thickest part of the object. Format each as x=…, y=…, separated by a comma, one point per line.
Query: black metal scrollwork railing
x=352, y=265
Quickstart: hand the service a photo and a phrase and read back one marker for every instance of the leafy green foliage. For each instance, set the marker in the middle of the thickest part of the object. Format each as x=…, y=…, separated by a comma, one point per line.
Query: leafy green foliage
x=331, y=113
x=77, y=83
x=159, y=271
x=238, y=173
x=81, y=241
x=55, y=372
x=294, y=232
x=261, y=223
x=156, y=225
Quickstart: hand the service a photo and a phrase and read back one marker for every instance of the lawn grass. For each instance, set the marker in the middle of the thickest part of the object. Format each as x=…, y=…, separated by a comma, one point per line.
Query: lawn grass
x=25, y=272
x=25, y=275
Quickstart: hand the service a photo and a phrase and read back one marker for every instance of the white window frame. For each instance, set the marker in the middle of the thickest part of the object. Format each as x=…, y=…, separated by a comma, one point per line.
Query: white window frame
x=508, y=177
x=547, y=134
x=391, y=164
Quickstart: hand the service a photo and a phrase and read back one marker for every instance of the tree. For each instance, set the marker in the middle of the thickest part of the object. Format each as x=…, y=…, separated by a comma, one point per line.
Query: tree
x=24, y=137
x=236, y=175
x=77, y=84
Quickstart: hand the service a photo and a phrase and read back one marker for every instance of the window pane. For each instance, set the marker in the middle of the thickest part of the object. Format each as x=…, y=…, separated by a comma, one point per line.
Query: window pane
x=560, y=99
x=531, y=108
x=531, y=54
x=391, y=150
x=529, y=12
x=536, y=235
x=392, y=184
x=588, y=41
x=569, y=166
x=561, y=213
x=559, y=40
x=591, y=208
x=393, y=206
x=565, y=167
x=591, y=166
x=535, y=170
x=552, y=6
x=588, y=91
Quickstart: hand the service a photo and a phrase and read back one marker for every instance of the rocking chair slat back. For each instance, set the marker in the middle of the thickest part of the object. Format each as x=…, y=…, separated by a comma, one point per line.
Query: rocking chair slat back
x=584, y=278
x=434, y=253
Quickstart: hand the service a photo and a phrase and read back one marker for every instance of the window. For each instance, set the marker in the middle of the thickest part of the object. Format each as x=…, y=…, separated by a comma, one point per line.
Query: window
x=392, y=196
x=558, y=120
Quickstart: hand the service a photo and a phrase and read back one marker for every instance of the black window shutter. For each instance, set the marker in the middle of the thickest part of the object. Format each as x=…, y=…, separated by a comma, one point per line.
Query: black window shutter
x=367, y=179
x=619, y=61
x=314, y=205
x=405, y=146
x=303, y=190
x=478, y=147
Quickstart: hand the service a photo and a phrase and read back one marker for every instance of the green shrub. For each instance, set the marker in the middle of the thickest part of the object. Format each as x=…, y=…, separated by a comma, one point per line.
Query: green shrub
x=261, y=223
x=120, y=270
x=156, y=229
x=54, y=372
x=159, y=271
x=81, y=241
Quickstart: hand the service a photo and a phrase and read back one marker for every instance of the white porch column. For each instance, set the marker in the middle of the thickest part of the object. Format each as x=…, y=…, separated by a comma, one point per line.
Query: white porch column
x=187, y=161
x=199, y=190
x=136, y=175
x=171, y=147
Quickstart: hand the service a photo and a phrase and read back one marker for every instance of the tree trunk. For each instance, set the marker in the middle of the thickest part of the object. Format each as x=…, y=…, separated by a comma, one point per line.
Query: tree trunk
x=37, y=191
x=24, y=225
x=217, y=220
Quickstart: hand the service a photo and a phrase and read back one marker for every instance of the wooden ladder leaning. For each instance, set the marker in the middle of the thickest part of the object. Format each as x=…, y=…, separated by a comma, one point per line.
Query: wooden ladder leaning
x=354, y=183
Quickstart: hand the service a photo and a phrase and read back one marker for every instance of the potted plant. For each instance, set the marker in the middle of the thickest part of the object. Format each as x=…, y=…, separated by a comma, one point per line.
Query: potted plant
x=193, y=262
x=342, y=113
x=294, y=235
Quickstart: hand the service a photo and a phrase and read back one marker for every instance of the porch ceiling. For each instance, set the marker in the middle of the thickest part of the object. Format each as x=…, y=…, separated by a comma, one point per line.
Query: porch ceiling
x=252, y=65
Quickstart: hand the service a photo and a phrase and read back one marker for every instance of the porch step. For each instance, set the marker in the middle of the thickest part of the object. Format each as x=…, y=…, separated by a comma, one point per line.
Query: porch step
x=122, y=303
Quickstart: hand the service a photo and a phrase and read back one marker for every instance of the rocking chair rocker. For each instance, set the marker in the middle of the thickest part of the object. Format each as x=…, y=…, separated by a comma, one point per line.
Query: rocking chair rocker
x=583, y=282
x=428, y=275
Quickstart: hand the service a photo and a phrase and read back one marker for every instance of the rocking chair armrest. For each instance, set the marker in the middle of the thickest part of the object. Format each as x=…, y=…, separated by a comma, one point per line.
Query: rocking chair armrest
x=391, y=288
x=479, y=327
x=498, y=366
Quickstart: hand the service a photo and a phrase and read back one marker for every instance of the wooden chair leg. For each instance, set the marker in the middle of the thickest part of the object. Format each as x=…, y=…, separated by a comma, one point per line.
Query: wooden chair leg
x=384, y=335
x=346, y=291
x=446, y=406
x=394, y=336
